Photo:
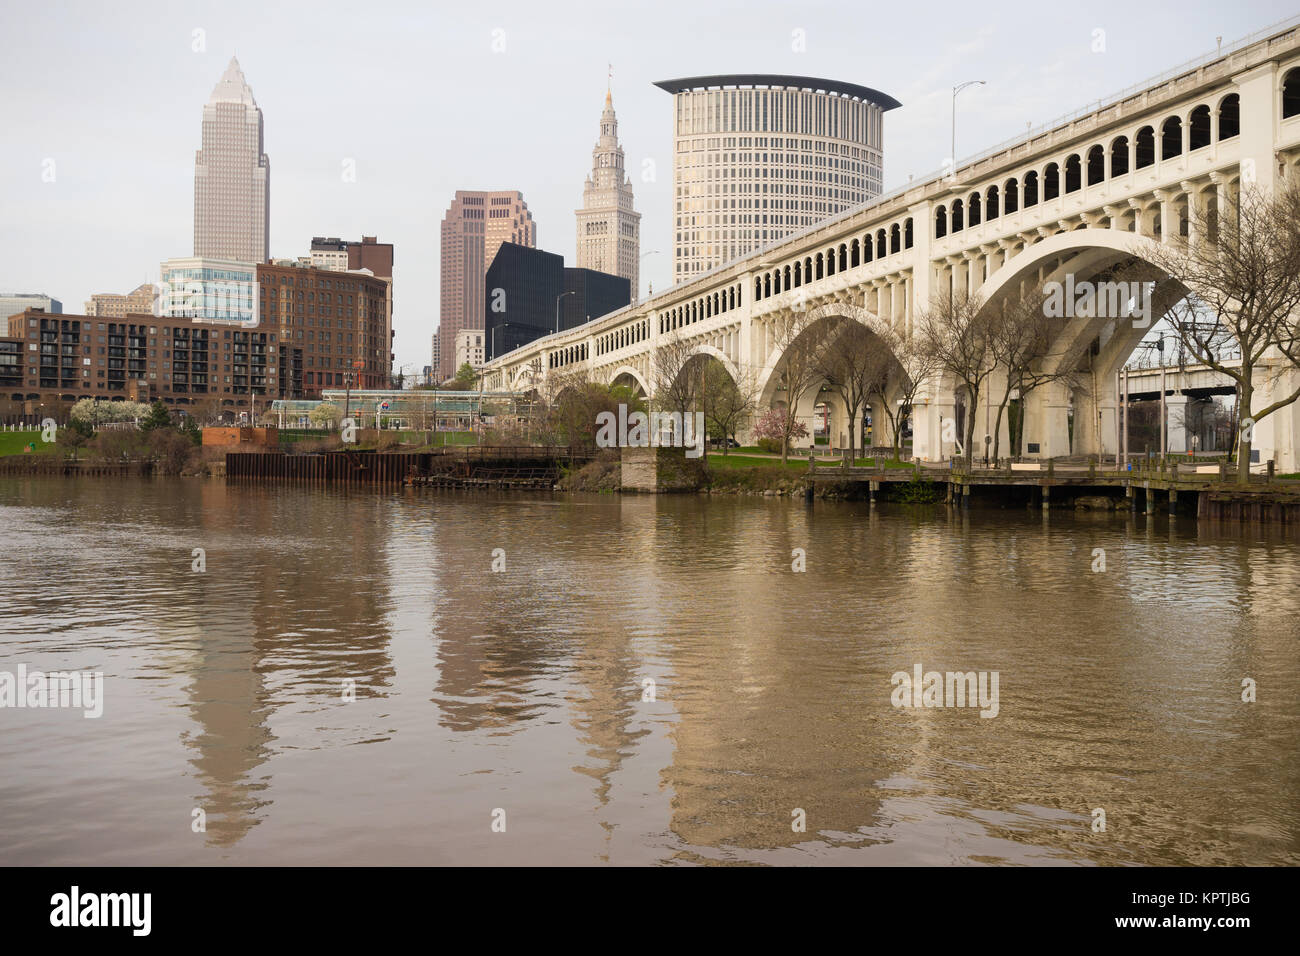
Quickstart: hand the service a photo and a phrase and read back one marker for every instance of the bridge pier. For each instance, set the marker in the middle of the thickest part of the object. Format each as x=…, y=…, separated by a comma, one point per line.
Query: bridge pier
x=1047, y=421
x=1176, y=424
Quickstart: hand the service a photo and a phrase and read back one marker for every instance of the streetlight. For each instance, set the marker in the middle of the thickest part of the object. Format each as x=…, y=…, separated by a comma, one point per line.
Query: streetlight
x=955, y=90
x=557, y=309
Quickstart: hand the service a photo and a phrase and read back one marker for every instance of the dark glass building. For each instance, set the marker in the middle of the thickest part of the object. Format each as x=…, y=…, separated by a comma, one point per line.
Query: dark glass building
x=594, y=294
x=525, y=293
x=519, y=297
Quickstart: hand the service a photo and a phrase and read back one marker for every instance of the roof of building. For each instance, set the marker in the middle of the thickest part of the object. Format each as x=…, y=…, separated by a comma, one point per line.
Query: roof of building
x=232, y=87
x=778, y=80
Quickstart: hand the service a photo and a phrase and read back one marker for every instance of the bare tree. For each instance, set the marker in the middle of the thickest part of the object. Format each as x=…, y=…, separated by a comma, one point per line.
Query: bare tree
x=855, y=364
x=958, y=335
x=912, y=367
x=1022, y=333
x=1242, y=283
x=727, y=402
x=799, y=342
x=675, y=388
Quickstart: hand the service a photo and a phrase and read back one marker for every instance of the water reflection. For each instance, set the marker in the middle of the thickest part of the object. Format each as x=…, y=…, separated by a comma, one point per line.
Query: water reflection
x=646, y=680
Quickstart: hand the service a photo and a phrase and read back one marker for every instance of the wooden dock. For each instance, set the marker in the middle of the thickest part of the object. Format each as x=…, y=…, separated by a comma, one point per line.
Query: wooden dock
x=1208, y=491
x=452, y=467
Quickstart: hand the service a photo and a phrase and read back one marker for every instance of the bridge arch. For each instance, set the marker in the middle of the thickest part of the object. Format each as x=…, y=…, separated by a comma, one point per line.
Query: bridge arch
x=819, y=317
x=525, y=377
x=628, y=372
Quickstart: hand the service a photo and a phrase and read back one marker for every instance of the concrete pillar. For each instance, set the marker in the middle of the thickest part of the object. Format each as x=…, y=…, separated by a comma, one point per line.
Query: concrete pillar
x=1194, y=207
x=1168, y=228
x=1047, y=421
x=1176, y=421
x=1258, y=122
x=1140, y=225
x=804, y=413
x=1087, y=423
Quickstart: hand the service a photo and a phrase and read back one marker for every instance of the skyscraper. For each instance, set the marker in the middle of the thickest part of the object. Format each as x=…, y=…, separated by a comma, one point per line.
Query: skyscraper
x=232, y=198
x=609, y=231
x=475, y=226
x=760, y=156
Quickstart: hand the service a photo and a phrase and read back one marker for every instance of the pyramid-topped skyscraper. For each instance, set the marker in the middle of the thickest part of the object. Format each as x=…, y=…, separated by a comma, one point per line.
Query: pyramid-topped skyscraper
x=232, y=188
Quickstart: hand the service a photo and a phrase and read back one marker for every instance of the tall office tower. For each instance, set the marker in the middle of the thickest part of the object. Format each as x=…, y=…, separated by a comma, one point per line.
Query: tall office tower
x=232, y=192
x=475, y=226
x=760, y=156
x=609, y=230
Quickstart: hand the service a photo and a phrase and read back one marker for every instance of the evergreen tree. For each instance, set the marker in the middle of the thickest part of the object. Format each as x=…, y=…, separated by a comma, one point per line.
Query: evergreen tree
x=158, y=417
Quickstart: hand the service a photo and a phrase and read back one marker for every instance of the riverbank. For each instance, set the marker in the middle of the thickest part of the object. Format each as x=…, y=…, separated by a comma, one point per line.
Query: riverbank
x=1180, y=490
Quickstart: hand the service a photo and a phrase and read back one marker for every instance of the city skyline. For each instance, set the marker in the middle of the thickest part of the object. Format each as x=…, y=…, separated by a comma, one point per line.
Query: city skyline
x=354, y=162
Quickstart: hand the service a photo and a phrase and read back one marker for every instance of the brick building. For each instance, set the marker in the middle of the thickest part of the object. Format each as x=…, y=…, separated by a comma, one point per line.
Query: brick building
x=314, y=327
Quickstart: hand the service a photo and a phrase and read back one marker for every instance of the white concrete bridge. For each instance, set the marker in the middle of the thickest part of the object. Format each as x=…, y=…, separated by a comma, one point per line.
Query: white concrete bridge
x=1077, y=197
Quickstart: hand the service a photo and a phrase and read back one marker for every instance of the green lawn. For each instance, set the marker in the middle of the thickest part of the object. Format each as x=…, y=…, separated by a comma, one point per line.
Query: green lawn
x=737, y=458
x=15, y=443
x=733, y=460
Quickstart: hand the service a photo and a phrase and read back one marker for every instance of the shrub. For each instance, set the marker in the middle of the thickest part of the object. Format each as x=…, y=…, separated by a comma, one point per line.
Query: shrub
x=171, y=451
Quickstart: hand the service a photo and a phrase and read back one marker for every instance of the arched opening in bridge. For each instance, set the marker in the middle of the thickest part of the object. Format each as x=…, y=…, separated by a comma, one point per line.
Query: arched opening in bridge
x=1009, y=196
x=1031, y=188
x=895, y=239
x=855, y=254
x=973, y=204
x=1096, y=165
x=1051, y=182
x=1171, y=138
x=880, y=244
x=1199, y=129
x=1229, y=116
x=1073, y=173
x=956, y=215
x=940, y=222
x=1145, y=148
x=907, y=234
x=1119, y=156
x=1291, y=94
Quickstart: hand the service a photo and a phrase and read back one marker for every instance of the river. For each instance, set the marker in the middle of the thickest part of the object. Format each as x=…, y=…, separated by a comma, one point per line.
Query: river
x=345, y=679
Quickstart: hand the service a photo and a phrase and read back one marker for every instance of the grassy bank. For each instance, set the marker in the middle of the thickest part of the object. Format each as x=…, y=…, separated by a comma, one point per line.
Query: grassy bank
x=15, y=443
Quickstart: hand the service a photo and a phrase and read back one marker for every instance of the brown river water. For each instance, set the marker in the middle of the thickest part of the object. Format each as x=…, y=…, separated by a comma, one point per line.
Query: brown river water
x=646, y=680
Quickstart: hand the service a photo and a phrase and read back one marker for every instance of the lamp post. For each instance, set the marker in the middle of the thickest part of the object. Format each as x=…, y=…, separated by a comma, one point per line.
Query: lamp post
x=557, y=309
x=955, y=90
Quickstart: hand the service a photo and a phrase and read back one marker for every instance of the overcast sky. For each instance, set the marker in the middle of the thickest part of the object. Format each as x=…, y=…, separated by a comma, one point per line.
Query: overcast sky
x=428, y=98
